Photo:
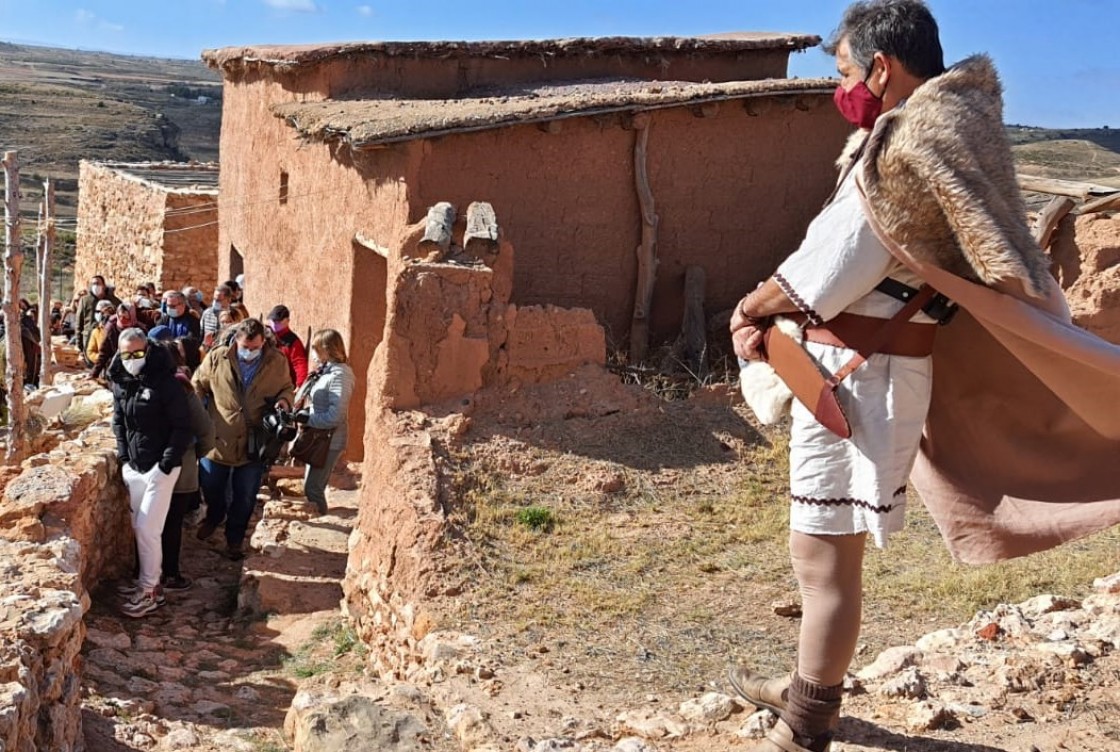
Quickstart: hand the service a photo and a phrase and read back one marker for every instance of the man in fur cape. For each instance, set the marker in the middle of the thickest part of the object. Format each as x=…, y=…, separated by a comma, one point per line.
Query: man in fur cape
x=1010, y=431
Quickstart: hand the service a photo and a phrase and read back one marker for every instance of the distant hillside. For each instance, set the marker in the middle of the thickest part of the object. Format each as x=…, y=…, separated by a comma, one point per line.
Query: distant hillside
x=1078, y=153
x=59, y=106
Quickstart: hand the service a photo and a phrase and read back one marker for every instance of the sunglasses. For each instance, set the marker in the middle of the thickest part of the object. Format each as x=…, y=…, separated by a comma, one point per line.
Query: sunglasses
x=134, y=355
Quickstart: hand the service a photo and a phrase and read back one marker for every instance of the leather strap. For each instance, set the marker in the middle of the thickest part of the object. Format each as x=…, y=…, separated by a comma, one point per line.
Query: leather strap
x=884, y=335
x=848, y=330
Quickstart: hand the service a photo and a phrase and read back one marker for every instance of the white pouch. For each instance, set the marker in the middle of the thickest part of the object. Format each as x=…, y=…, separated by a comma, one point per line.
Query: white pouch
x=766, y=394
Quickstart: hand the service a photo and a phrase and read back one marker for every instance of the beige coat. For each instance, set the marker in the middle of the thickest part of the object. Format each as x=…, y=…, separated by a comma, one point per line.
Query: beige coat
x=1021, y=443
x=236, y=413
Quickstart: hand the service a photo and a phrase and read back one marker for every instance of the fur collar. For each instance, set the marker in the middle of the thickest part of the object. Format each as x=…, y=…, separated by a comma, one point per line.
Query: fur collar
x=941, y=180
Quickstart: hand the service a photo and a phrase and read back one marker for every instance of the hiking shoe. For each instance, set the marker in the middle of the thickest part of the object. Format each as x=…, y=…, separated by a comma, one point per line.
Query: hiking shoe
x=128, y=588
x=235, y=553
x=761, y=691
x=143, y=603
x=206, y=528
x=177, y=584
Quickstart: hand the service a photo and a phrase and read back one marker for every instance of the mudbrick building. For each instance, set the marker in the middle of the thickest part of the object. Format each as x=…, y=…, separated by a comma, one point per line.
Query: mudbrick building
x=694, y=151
x=148, y=222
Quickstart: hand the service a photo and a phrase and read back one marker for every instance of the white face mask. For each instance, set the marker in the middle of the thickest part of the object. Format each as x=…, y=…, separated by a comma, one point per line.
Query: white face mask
x=96, y=289
x=134, y=366
x=248, y=355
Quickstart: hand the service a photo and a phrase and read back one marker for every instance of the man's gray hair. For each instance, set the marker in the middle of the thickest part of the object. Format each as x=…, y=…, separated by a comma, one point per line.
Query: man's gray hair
x=903, y=29
x=171, y=295
x=131, y=334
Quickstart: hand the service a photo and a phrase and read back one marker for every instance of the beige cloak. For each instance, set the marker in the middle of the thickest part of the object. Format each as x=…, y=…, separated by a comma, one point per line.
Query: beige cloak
x=1021, y=449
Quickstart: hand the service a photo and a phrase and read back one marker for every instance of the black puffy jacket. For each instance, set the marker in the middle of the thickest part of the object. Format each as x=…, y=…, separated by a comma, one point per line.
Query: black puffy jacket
x=151, y=417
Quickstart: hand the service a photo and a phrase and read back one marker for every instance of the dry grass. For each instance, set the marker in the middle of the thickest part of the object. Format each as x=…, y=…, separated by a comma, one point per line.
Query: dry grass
x=672, y=573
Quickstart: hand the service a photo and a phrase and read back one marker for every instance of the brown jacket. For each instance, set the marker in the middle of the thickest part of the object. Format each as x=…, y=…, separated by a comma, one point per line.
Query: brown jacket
x=235, y=413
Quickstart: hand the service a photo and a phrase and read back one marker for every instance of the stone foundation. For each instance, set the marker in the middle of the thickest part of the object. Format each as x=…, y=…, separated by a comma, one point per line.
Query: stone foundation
x=64, y=527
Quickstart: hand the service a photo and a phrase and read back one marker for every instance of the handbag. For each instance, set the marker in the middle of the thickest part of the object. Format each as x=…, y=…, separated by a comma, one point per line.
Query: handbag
x=311, y=446
x=814, y=387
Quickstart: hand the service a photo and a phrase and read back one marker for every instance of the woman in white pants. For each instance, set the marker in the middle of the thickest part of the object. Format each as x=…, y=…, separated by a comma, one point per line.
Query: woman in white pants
x=151, y=421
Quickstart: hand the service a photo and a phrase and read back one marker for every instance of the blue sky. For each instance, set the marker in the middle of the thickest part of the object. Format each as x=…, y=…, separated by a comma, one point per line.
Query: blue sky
x=1057, y=59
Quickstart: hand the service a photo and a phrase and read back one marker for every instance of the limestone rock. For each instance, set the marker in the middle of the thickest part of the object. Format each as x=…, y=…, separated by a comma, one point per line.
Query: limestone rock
x=113, y=640
x=355, y=723
x=890, y=661
x=909, y=683
x=1110, y=584
x=469, y=725
x=928, y=716
x=631, y=744
x=757, y=725
x=180, y=738
x=652, y=725
x=713, y=707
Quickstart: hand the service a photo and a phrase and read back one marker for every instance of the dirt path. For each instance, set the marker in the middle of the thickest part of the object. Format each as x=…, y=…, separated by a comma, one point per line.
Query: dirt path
x=206, y=672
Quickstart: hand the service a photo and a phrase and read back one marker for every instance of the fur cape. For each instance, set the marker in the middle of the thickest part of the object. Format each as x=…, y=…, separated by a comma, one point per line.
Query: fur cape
x=940, y=174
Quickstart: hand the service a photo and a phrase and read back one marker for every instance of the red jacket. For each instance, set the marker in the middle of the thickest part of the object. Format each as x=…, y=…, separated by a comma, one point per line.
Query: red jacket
x=289, y=343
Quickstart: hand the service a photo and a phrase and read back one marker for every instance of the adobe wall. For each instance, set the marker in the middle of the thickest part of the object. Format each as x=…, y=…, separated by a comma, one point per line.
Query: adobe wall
x=64, y=527
x=734, y=193
x=120, y=229
x=1086, y=252
x=440, y=78
x=328, y=280
x=132, y=232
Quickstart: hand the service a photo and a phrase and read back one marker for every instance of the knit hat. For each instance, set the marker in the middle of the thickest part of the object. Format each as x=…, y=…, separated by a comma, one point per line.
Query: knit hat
x=160, y=332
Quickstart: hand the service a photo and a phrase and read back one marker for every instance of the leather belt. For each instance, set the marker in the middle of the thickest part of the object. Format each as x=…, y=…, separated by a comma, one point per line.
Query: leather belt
x=851, y=331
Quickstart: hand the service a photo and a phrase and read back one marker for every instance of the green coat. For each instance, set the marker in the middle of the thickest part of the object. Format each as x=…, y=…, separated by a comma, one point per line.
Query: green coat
x=236, y=413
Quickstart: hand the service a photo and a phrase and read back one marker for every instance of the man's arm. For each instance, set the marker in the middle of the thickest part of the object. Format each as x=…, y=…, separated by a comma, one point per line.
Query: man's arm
x=751, y=313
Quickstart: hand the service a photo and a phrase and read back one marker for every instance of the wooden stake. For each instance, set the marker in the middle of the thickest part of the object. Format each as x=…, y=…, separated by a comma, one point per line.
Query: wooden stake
x=13, y=265
x=45, y=376
x=1049, y=219
x=647, y=250
x=691, y=346
x=437, y=232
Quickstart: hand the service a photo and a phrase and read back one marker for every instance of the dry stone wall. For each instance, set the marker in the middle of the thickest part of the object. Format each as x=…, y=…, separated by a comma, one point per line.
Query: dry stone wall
x=64, y=527
x=131, y=231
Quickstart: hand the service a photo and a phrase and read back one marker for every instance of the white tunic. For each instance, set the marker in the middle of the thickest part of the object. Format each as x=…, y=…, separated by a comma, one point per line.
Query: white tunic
x=844, y=486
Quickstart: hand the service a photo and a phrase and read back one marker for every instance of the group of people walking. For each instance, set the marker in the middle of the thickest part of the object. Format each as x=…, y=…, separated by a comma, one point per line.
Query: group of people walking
x=191, y=388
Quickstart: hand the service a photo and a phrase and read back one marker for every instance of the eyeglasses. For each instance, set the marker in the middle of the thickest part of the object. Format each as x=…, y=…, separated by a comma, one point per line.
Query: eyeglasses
x=134, y=355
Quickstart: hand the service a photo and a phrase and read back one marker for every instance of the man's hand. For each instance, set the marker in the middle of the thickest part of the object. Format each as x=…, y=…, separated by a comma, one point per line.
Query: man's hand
x=747, y=340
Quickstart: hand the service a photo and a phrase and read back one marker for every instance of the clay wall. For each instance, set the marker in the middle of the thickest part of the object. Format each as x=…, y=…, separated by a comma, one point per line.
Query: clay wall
x=439, y=78
x=64, y=526
x=734, y=193
x=133, y=232
x=301, y=250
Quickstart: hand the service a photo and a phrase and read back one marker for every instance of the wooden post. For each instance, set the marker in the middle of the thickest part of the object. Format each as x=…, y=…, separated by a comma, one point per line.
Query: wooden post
x=13, y=265
x=45, y=376
x=1049, y=219
x=691, y=346
x=480, y=240
x=437, y=233
x=647, y=250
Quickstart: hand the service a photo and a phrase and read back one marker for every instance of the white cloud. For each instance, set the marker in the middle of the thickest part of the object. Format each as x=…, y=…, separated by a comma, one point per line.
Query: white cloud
x=294, y=6
x=85, y=17
x=365, y=10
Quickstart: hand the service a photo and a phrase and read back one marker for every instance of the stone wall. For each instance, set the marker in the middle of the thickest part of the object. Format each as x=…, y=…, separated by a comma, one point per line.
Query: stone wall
x=134, y=231
x=64, y=527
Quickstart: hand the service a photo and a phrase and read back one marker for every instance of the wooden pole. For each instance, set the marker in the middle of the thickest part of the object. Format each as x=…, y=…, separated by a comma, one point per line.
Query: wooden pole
x=1056, y=187
x=13, y=265
x=1049, y=219
x=45, y=286
x=647, y=250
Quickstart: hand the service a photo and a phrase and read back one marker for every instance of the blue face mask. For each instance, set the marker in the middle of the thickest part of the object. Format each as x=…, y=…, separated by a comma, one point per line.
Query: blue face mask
x=248, y=355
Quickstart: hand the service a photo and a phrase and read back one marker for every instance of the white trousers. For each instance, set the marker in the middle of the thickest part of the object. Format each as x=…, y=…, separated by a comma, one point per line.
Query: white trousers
x=149, y=496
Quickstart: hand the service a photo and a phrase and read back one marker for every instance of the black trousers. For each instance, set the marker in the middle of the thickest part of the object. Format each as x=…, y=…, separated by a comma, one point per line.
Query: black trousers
x=172, y=538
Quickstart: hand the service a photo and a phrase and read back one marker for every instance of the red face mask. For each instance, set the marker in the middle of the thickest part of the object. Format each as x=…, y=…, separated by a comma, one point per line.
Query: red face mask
x=859, y=105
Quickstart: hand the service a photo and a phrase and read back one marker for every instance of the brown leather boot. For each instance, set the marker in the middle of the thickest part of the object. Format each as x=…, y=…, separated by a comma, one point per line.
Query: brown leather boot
x=767, y=693
x=782, y=739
